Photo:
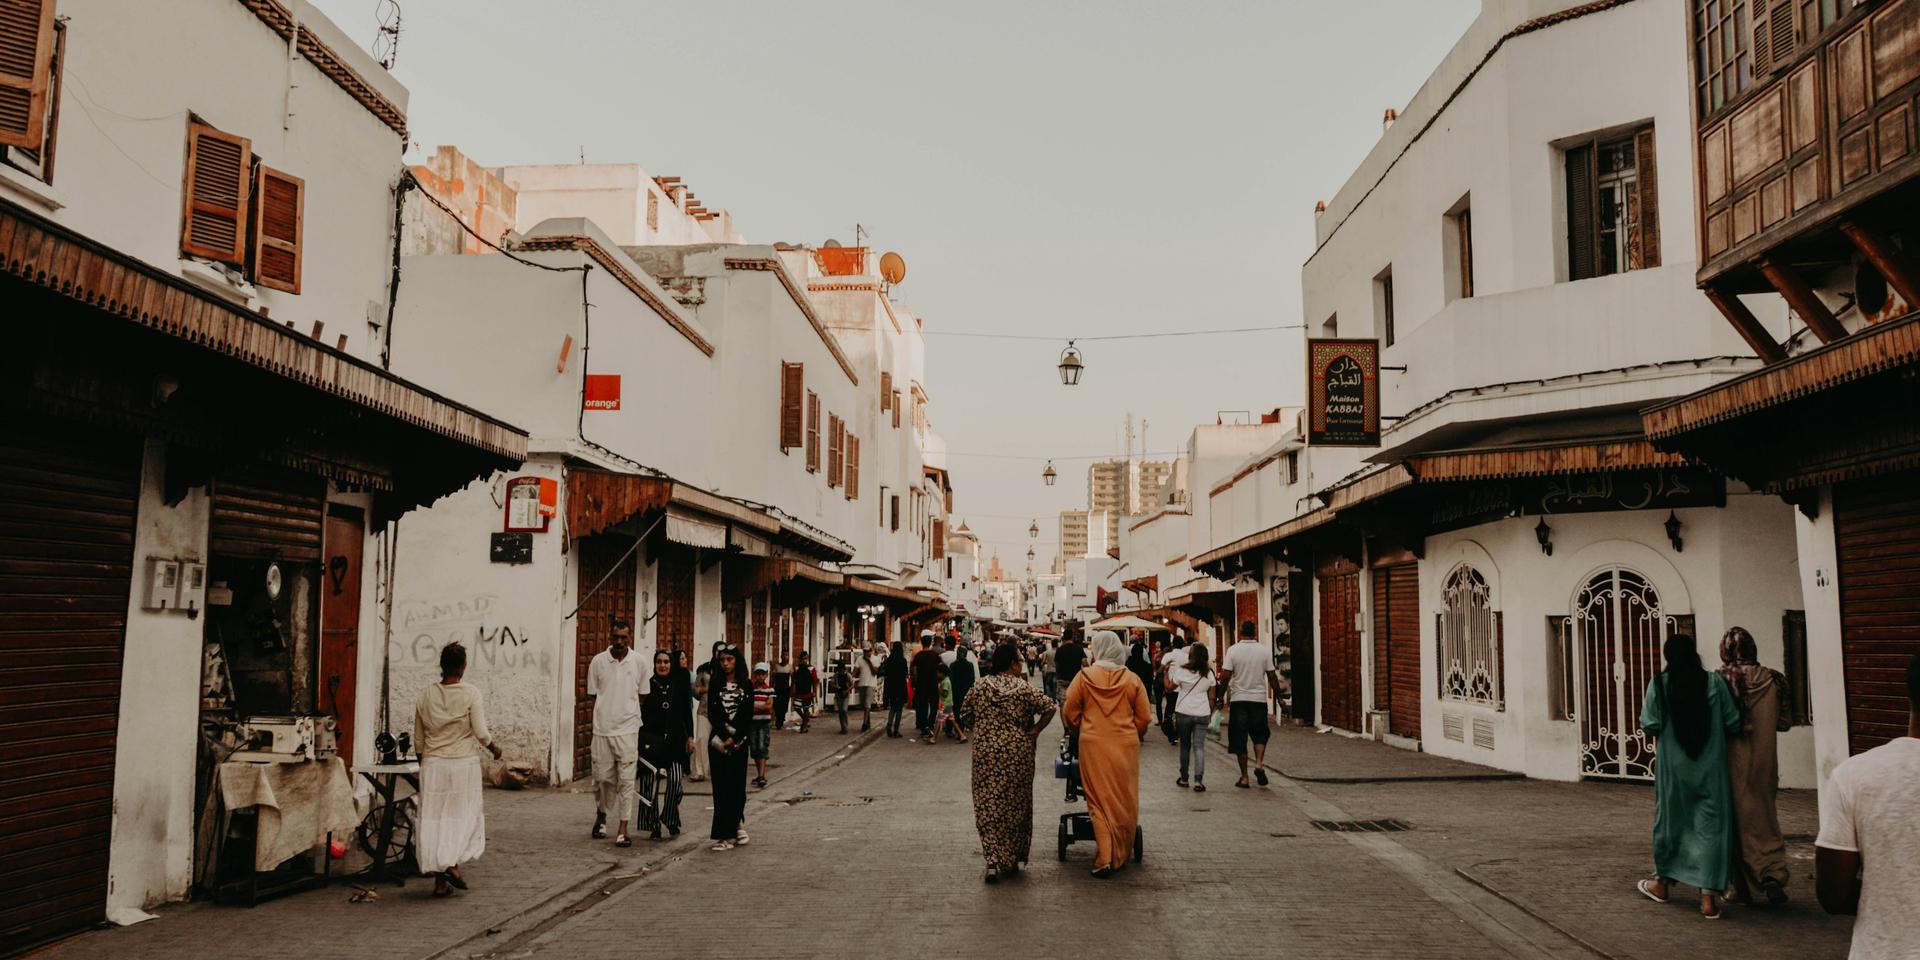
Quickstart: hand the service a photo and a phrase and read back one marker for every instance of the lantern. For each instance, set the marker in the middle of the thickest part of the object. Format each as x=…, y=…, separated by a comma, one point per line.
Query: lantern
x=1048, y=474
x=1033, y=530
x=1070, y=365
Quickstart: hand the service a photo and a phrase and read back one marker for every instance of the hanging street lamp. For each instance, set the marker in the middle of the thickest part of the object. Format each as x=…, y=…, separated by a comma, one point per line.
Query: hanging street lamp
x=1048, y=474
x=1070, y=365
x=1033, y=530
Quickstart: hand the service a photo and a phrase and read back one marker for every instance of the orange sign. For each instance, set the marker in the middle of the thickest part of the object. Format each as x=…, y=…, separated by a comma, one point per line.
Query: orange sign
x=603, y=391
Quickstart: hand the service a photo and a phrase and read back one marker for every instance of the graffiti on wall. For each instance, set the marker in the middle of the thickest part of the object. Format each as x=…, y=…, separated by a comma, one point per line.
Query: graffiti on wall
x=421, y=629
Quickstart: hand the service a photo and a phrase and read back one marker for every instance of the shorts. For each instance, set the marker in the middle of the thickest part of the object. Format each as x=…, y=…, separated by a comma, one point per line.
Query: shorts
x=760, y=741
x=1246, y=720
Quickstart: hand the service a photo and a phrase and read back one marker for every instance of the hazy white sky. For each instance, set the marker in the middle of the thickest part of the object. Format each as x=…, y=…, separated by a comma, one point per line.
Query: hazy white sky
x=1050, y=168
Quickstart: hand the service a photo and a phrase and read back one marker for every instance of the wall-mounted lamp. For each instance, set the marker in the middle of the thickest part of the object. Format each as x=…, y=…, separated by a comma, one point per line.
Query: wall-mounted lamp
x=1673, y=530
x=1544, y=534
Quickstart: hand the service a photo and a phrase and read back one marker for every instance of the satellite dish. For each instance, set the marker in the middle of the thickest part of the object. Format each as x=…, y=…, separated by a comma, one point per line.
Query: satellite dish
x=893, y=267
x=831, y=243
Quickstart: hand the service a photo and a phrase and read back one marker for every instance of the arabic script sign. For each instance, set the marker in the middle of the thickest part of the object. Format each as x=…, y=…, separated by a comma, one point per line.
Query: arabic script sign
x=1343, y=393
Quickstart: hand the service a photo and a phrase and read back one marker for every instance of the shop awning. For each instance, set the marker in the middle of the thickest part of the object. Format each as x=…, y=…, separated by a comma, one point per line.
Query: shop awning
x=51, y=256
x=1146, y=584
x=1879, y=349
x=685, y=528
x=1274, y=534
x=1540, y=461
x=896, y=597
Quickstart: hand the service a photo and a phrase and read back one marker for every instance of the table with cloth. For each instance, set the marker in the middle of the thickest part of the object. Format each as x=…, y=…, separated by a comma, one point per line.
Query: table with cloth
x=296, y=804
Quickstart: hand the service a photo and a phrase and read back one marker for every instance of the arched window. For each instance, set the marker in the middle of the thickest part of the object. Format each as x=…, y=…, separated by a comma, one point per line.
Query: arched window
x=1469, y=632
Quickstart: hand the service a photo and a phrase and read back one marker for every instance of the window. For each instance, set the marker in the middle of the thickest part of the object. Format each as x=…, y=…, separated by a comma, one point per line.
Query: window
x=653, y=210
x=1613, y=218
x=1469, y=640
x=1290, y=470
x=896, y=511
x=1383, y=306
x=1456, y=250
x=793, y=379
x=886, y=391
x=852, y=455
x=218, y=185
x=1796, y=701
x=835, y=450
x=813, y=432
x=1723, y=65
x=896, y=409
x=30, y=86
x=883, y=505
x=1560, y=662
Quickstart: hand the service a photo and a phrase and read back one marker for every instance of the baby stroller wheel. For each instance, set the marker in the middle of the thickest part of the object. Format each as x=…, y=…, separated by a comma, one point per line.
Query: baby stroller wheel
x=1065, y=838
x=1139, y=845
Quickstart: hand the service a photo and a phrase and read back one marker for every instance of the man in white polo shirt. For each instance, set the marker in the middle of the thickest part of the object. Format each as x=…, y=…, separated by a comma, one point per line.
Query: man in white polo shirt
x=614, y=679
x=1867, y=858
x=1247, y=674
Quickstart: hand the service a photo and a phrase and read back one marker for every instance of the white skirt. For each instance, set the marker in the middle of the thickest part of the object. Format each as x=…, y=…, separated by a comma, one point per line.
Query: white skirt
x=451, y=826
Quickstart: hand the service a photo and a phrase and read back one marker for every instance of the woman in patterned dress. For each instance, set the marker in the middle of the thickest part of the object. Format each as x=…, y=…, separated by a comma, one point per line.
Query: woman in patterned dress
x=1006, y=717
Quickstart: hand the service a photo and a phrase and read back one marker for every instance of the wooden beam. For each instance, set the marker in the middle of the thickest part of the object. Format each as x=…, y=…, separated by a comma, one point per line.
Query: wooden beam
x=1803, y=300
x=1746, y=325
x=1890, y=260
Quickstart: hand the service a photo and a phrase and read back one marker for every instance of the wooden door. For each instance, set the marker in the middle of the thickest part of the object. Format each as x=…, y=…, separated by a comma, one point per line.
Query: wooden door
x=1396, y=646
x=340, y=576
x=1340, y=649
x=609, y=558
x=674, y=626
x=66, y=565
x=1877, y=534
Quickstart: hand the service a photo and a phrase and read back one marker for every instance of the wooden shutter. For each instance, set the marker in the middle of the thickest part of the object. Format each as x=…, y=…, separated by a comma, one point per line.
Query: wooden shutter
x=792, y=390
x=813, y=432
x=939, y=539
x=1762, y=41
x=216, y=195
x=853, y=467
x=26, y=60
x=1781, y=24
x=278, y=217
x=1583, y=239
x=896, y=409
x=896, y=511
x=886, y=391
x=1646, y=207
x=835, y=448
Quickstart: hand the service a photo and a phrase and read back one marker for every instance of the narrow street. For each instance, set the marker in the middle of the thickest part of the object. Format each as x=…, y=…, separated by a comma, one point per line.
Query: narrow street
x=864, y=847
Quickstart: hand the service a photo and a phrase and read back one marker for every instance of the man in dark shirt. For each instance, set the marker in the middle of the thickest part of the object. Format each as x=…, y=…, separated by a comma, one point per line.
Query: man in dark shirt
x=926, y=687
x=1068, y=661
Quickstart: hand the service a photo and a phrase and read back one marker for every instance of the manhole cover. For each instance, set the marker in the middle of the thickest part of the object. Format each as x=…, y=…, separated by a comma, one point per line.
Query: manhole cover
x=1361, y=826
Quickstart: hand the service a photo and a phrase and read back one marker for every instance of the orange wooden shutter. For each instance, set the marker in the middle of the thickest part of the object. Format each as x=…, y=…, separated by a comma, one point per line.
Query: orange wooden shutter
x=792, y=389
x=813, y=432
x=939, y=539
x=26, y=58
x=886, y=390
x=896, y=409
x=278, y=218
x=216, y=195
x=836, y=449
x=1646, y=208
x=853, y=467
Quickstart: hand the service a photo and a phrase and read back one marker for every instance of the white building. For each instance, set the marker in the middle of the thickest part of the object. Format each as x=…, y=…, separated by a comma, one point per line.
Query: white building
x=203, y=219
x=1466, y=573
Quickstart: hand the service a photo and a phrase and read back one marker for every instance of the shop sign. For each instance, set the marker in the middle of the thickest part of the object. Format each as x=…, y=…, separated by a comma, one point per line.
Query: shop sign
x=1343, y=392
x=603, y=391
x=532, y=503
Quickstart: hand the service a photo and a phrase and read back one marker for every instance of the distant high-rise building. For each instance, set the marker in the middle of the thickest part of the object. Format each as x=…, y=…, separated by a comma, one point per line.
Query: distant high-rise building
x=1156, y=485
x=1073, y=533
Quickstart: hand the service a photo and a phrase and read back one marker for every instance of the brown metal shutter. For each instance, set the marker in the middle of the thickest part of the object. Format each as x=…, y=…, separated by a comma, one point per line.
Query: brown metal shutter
x=675, y=587
x=1340, y=650
x=1396, y=646
x=66, y=568
x=267, y=514
x=608, y=558
x=1877, y=529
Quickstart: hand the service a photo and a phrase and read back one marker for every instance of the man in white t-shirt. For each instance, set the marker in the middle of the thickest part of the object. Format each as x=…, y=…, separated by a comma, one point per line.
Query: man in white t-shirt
x=1867, y=858
x=614, y=680
x=1247, y=674
x=1176, y=655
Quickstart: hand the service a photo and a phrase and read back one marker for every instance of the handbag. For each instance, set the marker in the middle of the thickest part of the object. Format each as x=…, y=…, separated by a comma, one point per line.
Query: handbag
x=1213, y=724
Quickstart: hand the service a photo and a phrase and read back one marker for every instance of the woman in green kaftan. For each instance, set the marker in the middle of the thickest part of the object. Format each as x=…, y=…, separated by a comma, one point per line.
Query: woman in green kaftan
x=1691, y=713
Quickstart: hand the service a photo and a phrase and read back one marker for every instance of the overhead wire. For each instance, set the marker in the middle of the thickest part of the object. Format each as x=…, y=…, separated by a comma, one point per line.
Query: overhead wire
x=1115, y=336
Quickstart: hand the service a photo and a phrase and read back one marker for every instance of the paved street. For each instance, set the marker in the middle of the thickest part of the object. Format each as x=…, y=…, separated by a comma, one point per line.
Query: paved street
x=864, y=847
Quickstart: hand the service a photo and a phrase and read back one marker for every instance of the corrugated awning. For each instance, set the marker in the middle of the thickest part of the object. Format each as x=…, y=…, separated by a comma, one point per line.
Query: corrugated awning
x=1540, y=461
x=1877, y=349
x=599, y=499
x=52, y=256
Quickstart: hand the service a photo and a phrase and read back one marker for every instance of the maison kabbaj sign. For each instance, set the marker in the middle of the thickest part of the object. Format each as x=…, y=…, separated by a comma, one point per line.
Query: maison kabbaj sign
x=1343, y=393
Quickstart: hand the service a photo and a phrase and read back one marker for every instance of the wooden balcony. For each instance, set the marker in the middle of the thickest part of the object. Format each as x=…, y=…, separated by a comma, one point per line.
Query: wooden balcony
x=1815, y=165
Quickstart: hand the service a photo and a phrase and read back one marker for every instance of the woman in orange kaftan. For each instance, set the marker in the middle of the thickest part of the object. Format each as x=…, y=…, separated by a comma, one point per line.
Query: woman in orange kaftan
x=1109, y=706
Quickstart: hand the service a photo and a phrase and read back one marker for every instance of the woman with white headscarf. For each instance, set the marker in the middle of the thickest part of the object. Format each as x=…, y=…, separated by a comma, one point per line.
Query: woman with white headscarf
x=1108, y=704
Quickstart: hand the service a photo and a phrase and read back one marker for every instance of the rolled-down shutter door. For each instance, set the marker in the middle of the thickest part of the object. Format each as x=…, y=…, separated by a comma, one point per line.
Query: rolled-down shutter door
x=1877, y=532
x=66, y=569
x=269, y=515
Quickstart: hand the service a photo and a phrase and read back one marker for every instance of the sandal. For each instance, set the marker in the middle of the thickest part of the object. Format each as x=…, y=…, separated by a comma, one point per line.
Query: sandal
x=600, y=831
x=441, y=887
x=1199, y=788
x=622, y=841
x=1182, y=783
x=741, y=840
x=722, y=846
x=1242, y=784
x=1260, y=775
x=453, y=877
x=1646, y=889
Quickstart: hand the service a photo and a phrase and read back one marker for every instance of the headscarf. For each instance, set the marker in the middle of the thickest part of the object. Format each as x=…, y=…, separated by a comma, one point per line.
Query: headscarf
x=1109, y=650
x=1740, y=666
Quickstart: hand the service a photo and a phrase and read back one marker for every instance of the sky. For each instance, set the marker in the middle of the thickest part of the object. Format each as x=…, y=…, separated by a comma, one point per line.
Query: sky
x=1063, y=168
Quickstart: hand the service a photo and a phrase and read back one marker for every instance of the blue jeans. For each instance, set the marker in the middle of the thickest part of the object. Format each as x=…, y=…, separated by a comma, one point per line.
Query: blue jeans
x=1192, y=732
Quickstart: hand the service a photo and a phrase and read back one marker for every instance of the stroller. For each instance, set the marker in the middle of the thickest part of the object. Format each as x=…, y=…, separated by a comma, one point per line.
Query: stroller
x=1078, y=825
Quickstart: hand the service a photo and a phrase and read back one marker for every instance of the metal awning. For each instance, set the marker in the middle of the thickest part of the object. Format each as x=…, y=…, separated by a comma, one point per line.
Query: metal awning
x=49, y=255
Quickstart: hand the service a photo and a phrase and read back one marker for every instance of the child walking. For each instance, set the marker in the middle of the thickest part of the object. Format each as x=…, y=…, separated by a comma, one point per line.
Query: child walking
x=760, y=741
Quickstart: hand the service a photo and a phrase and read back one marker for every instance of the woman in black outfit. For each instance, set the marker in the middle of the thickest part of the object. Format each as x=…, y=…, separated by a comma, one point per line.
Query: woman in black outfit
x=893, y=676
x=666, y=741
x=730, y=711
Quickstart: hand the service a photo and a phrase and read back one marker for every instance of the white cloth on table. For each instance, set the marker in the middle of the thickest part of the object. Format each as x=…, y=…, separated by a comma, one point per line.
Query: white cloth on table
x=296, y=804
x=451, y=823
